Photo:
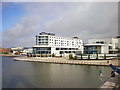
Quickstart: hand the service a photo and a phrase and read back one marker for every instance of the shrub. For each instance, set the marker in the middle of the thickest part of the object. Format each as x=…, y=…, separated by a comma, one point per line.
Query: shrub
x=70, y=56
x=53, y=55
x=88, y=56
x=75, y=57
x=5, y=52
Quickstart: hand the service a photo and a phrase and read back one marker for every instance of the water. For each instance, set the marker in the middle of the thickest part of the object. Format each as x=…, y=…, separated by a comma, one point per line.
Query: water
x=16, y=74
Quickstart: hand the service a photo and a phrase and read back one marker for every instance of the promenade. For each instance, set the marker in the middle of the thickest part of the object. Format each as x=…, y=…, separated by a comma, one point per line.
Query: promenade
x=9, y=55
x=112, y=83
x=61, y=60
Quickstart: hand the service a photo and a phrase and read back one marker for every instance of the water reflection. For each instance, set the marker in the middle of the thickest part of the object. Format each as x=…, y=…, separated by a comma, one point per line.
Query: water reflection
x=44, y=75
x=15, y=80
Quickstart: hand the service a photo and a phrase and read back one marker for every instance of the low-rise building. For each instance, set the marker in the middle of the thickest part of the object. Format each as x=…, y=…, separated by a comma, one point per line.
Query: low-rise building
x=4, y=50
x=27, y=50
x=100, y=46
x=22, y=50
x=16, y=48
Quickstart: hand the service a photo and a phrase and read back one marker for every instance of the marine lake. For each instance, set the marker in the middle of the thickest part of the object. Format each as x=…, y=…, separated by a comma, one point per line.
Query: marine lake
x=17, y=74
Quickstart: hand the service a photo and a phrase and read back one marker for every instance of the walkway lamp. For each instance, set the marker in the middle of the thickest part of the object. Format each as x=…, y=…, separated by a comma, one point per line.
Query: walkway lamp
x=104, y=56
x=81, y=56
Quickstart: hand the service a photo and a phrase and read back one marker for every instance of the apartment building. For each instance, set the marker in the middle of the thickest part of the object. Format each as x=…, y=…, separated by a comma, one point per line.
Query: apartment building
x=103, y=45
x=48, y=43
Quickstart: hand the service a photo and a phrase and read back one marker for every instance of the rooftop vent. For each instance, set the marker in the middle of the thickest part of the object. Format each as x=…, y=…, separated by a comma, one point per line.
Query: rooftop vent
x=75, y=37
x=118, y=37
x=44, y=33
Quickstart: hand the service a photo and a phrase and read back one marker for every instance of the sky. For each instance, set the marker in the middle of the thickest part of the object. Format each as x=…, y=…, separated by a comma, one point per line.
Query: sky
x=22, y=21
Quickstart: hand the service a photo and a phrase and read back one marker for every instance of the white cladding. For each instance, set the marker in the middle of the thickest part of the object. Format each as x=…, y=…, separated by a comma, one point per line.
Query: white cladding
x=54, y=41
x=109, y=44
x=109, y=41
x=59, y=42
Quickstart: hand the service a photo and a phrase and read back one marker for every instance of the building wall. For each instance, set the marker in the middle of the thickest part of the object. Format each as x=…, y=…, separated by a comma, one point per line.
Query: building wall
x=105, y=49
x=64, y=44
x=4, y=50
x=109, y=44
x=55, y=41
x=15, y=48
x=115, y=42
x=104, y=40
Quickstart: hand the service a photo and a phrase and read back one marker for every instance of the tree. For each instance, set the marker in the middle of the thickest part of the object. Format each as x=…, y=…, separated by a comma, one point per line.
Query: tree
x=17, y=53
x=70, y=56
x=75, y=57
x=88, y=56
x=53, y=55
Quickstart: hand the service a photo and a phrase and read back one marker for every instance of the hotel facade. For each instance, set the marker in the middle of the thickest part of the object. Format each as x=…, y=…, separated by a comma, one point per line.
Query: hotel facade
x=48, y=43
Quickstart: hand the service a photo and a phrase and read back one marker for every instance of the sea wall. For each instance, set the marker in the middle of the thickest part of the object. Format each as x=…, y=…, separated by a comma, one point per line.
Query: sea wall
x=66, y=61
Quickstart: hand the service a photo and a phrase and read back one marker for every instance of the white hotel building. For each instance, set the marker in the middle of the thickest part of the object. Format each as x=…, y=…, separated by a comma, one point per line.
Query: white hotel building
x=48, y=43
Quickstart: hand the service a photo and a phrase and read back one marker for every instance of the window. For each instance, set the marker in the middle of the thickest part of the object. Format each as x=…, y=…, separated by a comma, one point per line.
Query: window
x=110, y=47
x=97, y=42
x=57, y=48
x=61, y=52
x=102, y=42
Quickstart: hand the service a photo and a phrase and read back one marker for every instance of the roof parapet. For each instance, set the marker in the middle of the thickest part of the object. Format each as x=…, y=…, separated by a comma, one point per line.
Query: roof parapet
x=75, y=38
x=44, y=33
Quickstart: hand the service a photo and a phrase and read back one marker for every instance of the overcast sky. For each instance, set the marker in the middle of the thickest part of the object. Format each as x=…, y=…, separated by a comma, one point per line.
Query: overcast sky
x=22, y=21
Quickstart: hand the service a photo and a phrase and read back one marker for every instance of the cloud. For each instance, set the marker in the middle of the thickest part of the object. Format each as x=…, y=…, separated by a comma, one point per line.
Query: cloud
x=37, y=14
x=22, y=34
x=85, y=20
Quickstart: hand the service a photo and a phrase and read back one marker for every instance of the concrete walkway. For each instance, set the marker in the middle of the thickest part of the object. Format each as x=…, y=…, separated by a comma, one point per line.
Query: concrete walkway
x=113, y=83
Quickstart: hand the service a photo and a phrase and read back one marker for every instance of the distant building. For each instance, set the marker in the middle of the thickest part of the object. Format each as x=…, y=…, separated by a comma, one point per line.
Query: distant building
x=48, y=43
x=106, y=45
x=118, y=37
x=25, y=51
x=21, y=50
x=4, y=50
x=16, y=48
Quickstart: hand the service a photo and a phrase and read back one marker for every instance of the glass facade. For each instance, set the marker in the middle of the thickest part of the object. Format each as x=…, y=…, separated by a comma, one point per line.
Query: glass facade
x=92, y=49
x=77, y=52
x=42, y=50
x=66, y=48
x=42, y=40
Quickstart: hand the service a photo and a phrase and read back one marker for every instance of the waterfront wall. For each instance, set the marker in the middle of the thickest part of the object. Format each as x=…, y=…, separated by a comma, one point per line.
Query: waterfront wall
x=66, y=61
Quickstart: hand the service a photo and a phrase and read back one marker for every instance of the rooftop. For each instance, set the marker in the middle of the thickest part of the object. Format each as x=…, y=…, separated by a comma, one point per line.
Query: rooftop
x=44, y=33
